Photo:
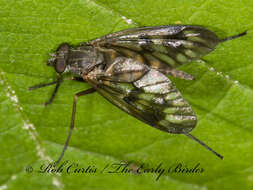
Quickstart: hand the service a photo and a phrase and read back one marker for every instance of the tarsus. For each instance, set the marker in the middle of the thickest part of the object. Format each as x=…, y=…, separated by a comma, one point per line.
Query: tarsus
x=233, y=37
x=203, y=144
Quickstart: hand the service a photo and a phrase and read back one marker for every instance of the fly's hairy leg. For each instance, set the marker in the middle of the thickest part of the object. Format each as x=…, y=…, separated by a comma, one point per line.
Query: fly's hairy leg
x=233, y=37
x=57, y=82
x=77, y=95
x=57, y=86
x=204, y=145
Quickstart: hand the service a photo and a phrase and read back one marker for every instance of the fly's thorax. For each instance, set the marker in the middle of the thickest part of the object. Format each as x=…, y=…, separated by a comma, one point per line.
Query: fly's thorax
x=77, y=60
x=83, y=59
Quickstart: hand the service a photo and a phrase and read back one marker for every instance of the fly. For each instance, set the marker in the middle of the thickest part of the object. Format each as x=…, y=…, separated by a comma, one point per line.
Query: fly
x=130, y=68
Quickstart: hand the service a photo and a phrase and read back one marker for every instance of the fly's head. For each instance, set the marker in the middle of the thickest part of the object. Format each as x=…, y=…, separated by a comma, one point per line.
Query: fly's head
x=59, y=59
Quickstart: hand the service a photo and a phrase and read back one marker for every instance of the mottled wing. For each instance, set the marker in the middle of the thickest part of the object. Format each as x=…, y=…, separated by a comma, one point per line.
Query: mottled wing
x=164, y=47
x=146, y=94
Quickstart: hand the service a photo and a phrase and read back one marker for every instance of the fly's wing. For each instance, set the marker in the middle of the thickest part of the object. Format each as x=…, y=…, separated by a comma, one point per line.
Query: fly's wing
x=163, y=47
x=144, y=93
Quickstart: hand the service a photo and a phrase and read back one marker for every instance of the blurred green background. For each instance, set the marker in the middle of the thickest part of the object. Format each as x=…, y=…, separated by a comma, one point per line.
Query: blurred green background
x=32, y=135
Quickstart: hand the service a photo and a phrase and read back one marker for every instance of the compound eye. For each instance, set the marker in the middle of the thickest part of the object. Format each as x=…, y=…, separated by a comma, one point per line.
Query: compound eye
x=60, y=65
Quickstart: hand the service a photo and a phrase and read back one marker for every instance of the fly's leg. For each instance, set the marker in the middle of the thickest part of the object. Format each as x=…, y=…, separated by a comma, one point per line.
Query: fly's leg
x=77, y=95
x=57, y=82
x=82, y=93
x=203, y=144
x=233, y=37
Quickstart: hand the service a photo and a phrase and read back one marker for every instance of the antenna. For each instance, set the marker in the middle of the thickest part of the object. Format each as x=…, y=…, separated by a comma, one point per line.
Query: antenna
x=233, y=37
x=204, y=145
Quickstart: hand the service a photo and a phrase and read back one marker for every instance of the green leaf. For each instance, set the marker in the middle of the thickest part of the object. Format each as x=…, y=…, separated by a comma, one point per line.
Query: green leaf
x=33, y=135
